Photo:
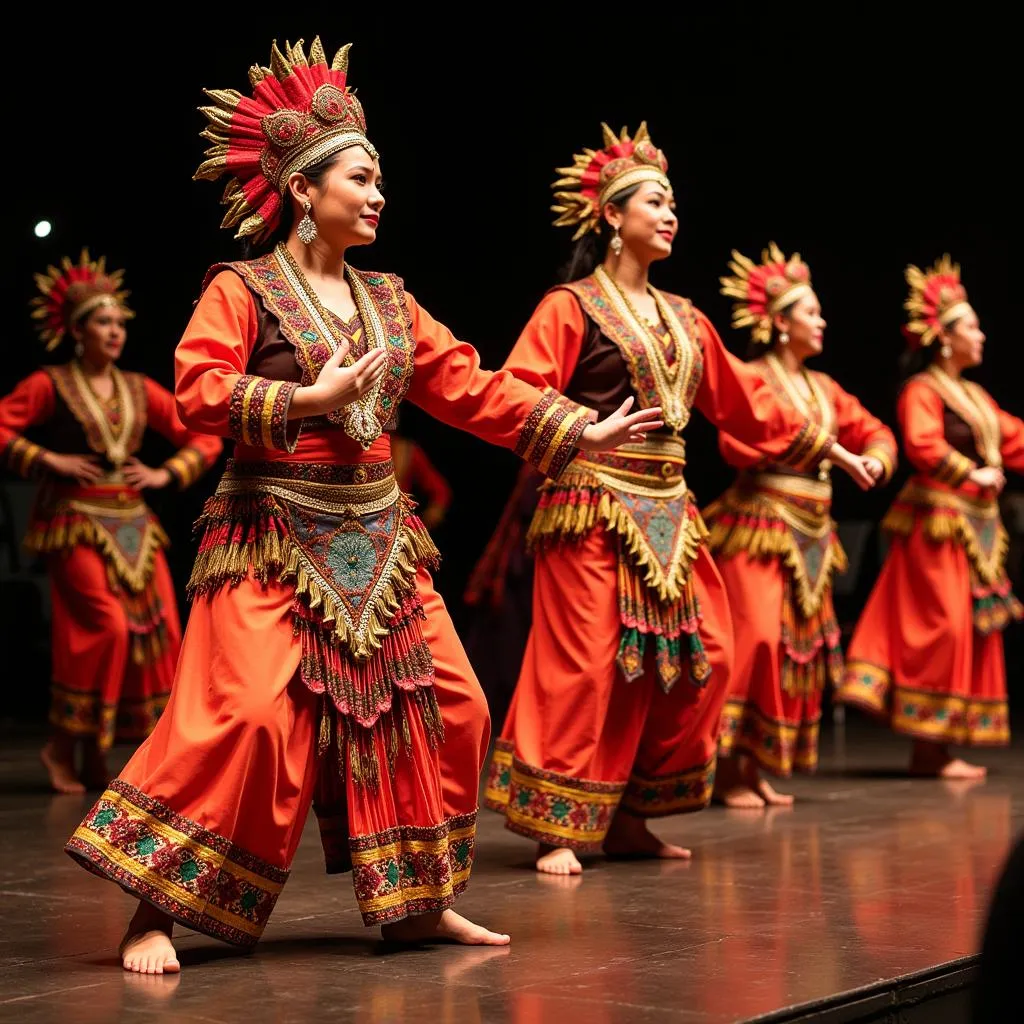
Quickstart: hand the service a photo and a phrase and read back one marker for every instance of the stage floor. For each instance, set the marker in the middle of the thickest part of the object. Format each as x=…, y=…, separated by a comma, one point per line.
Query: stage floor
x=872, y=876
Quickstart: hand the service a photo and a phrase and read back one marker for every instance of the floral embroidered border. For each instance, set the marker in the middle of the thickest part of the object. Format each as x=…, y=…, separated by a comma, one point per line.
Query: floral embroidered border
x=21, y=455
x=135, y=392
x=778, y=746
x=258, y=413
x=190, y=873
x=954, y=468
x=809, y=447
x=596, y=306
x=939, y=717
x=657, y=796
x=265, y=278
x=186, y=466
x=85, y=714
x=551, y=433
x=549, y=807
x=409, y=870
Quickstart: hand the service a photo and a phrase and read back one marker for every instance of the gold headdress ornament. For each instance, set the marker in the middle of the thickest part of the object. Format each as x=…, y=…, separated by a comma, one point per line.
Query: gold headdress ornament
x=301, y=111
x=69, y=292
x=598, y=176
x=936, y=299
x=765, y=289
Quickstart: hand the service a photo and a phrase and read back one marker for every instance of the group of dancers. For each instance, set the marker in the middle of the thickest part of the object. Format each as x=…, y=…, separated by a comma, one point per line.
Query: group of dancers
x=321, y=668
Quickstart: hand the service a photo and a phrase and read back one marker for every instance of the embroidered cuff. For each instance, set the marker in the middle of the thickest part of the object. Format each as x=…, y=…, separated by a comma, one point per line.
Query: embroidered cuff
x=551, y=432
x=186, y=466
x=258, y=413
x=22, y=456
x=887, y=457
x=811, y=445
x=954, y=468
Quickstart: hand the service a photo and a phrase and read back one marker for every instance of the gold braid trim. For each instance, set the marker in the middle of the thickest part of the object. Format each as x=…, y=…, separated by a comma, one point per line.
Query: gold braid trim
x=770, y=535
x=946, y=524
x=272, y=554
x=595, y=504
x=67, y=530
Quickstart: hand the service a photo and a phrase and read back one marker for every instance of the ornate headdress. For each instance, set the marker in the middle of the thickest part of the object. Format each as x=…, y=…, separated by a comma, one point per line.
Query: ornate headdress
x=765, y=289
x=936, y=299
x=73, y=290
x=301, y=111
x=596, y=177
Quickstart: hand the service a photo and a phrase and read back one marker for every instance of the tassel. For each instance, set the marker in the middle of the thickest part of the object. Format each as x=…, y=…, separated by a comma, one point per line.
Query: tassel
x=752, y=522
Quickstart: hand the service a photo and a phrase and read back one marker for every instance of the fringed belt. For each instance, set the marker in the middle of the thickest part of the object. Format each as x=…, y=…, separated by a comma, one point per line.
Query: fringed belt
x=349, y=542
x=111, y=517
x=972, y=523
x=788, y=517
x=638, y=494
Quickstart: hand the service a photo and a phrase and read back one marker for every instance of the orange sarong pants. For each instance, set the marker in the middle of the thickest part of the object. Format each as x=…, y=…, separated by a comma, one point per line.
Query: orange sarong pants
x=580, y=742
x=206, y=817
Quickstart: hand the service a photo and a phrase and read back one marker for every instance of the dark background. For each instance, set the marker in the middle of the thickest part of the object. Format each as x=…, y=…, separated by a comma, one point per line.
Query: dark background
x=864, y=142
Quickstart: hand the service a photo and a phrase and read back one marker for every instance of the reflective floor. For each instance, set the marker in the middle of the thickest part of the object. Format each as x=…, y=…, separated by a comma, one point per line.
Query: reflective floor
x=871, y=876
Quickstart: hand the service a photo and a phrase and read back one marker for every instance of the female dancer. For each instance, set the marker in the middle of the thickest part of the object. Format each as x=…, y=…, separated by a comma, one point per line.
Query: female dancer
x=927, y=654
x=775, y=543
x=320, y=664
x=613, y=720
x=115, y=631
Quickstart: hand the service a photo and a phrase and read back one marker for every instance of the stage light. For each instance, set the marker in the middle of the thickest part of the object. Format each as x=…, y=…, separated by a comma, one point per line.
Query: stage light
x=43, y=228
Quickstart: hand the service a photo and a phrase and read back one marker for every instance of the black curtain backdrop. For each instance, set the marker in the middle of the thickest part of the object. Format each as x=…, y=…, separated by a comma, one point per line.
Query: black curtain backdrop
x=863, y=144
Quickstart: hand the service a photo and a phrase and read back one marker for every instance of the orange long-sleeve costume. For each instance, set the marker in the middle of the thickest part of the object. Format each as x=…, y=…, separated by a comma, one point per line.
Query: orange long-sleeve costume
x=115, y=629
x=620, y=694
x=777, y=549
x=319, y=664
x=927, y=653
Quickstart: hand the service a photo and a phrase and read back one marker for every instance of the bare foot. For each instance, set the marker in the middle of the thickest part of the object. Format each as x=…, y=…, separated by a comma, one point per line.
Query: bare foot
x=933, y=760
x=146, y=947
x=630, y=837
x=733, y=788
x=740, y=797
x=444, y=927
x=954, y=768
x=773, y=799
x=557, y=860
x=61, y=769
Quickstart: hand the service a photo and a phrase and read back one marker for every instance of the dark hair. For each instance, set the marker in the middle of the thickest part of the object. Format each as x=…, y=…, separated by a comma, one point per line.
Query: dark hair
x=756, y=349
x=917, y=360
x=315, y=174
x=589, y=251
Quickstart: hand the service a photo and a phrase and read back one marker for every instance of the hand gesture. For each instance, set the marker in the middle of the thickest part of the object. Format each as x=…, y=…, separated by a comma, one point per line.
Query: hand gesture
x=621, y=427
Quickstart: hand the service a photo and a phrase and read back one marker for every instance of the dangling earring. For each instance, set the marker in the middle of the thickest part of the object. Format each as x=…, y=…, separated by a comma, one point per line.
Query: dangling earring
x=783, y=338
x=79, y=350
x=946, y=352
x=616, y=243
x=307, y=227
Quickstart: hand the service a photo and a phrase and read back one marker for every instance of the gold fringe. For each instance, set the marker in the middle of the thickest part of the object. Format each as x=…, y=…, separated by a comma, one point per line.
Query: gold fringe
x=69, y=529
x=771, y=537
x=274, y=555
x=568, y=521
x=955, y=526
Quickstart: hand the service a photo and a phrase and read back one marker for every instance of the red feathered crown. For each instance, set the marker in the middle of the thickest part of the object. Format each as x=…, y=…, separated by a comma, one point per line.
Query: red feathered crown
x=73, y=290
x=596, y=177
x=936, y=299
x=301, y=111
x=765, y=289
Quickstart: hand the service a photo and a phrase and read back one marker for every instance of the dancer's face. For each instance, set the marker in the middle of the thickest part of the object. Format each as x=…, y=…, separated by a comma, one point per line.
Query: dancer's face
x=967, y=340
x=647, y=223
x=346, y=207
x=805, y=325
x=101, y=334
